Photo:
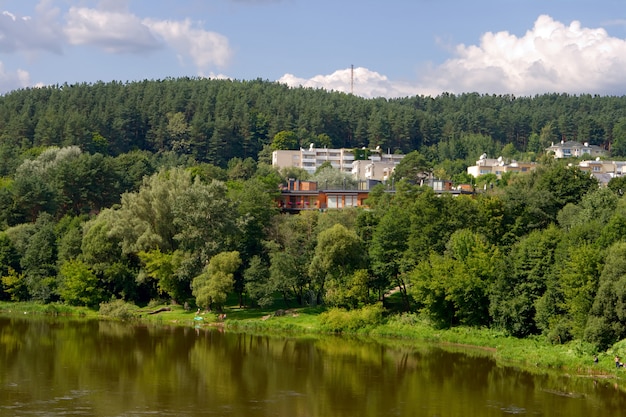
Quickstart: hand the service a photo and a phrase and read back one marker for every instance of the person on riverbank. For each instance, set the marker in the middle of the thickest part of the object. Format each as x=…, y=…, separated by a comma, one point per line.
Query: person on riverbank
x=618, y=363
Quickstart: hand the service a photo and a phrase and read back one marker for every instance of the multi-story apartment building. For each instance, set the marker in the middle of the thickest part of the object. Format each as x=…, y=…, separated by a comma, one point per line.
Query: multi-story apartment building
x=310, y=159
x=378, y=165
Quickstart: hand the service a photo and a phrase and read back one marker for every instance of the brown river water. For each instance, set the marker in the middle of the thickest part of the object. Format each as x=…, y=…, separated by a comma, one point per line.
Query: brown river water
x=66, y=367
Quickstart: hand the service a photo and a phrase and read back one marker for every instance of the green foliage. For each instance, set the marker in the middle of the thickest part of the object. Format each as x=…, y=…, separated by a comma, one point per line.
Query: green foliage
x=618, y=147
x=338, y=254
x=529, y=268
x=579, y=280
x=239, y=169
x=118, y=309
x=329, y=178
x=163, y=267
x=9, y=257
x=212, y=286
x=102, y=251
x=39, y=260
x=257, y=285
x=338, y=320
x=350, y=291
x=176, y=185
x=387, y=248
x=14, y=285
x=285, y=139
x=454, y=288
x=607, y=319
x=79, y=286
x=413, y=167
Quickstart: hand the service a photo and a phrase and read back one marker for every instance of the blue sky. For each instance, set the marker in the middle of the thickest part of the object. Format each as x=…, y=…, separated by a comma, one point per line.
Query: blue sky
x=398, y=48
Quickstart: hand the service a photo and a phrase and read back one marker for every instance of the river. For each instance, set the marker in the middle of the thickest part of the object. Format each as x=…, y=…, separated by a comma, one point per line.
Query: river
x=72, y=367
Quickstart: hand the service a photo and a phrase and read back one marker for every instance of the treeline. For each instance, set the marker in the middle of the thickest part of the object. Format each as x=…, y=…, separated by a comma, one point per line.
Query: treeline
x=161, y=190
x=542, y=252
x=217, y=120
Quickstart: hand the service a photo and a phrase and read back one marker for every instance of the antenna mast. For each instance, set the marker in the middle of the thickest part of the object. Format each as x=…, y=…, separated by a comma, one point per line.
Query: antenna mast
x=351, y=79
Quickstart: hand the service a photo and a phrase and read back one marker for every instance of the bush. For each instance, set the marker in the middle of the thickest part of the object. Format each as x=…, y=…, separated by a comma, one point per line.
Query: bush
x=339, y=320
x=118, y=309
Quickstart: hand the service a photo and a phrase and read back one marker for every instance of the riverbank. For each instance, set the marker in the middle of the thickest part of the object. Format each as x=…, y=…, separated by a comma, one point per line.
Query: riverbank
x=535, y=354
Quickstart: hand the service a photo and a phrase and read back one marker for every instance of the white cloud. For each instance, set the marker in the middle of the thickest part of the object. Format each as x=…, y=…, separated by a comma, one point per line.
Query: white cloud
x=118, y=31
x=551, y=57
x=115, y=31
x=362, y=82
x=204, y=48
x=40, y=32
x=13, y=80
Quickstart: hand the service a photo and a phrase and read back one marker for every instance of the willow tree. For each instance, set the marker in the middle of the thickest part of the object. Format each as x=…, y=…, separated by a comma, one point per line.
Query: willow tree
x=338, y=255
x=175, y=211
x=212, y=286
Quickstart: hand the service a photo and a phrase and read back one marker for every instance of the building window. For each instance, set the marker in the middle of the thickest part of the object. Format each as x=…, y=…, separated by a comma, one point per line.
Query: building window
x=334, y=201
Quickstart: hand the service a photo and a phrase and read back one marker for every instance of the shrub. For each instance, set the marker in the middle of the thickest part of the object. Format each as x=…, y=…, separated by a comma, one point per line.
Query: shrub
x=339, y=320
x=118, y=309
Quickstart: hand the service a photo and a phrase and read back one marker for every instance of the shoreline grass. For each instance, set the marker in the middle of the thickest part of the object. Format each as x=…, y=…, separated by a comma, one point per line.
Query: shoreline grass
x=534, y=354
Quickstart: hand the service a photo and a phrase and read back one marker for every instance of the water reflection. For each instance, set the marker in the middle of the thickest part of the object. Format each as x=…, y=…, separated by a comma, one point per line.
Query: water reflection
x=57, y=367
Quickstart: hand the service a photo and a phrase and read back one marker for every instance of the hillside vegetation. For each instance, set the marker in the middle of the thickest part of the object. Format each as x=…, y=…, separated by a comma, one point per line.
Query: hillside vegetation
x=161, y=190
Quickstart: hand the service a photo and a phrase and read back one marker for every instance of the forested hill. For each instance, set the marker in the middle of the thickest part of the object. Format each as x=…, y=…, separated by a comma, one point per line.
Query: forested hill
x=216, y=120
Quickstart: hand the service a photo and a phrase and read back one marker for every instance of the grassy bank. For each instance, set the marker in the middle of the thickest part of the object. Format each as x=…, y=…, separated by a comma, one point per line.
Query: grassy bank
x=534, y=354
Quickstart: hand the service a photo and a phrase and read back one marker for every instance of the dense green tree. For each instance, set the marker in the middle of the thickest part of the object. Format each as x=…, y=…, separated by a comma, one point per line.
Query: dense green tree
x=212, y=286
x=607, y=318
x=163, y=267
x=413, y=167
x=618, y=147
x=32, y=195
x=579, y=279
x=455, y=288
x=617, y=185
x=530, y=265
x=14, y=286
x=256, y=279
x=39, y=260
x=70, y=237
x=78, y=285
x=9, y=263
x=9, y=257
x=101, y=249
x=255, y=208
x=338, y=254
x=285, y=140
x=387, y=251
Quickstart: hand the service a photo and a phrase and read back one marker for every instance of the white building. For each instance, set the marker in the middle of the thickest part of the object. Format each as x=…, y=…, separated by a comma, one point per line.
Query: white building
x=371, y=170
x=570, y=148
x=311, y=159
x=498, y=166
x=378, y=165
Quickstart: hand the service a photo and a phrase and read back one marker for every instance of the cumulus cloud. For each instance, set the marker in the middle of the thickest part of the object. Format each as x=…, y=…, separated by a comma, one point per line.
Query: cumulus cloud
x=361, y=81
x=13, y=80
x=40, y=32
x=550, y=57
x=115, y=31
x=203, y=47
